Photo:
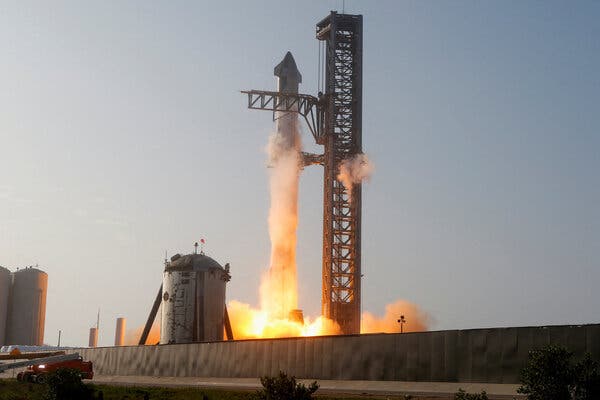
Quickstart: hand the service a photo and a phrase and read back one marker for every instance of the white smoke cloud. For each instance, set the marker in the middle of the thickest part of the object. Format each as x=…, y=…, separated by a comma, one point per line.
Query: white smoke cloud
x=355, y=170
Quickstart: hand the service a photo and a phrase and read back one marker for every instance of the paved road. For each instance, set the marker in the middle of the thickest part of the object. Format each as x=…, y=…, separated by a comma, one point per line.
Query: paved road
x=433, y=389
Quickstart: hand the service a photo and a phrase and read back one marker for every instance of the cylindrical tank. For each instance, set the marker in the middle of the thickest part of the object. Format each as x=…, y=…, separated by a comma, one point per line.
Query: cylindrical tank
x=193, y=304
x=27, y=308
x=5, y=284
x=93, y=340
x=120, y=332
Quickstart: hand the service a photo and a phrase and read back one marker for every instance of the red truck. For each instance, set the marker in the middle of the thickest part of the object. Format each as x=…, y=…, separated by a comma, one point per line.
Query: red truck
x=38, y=373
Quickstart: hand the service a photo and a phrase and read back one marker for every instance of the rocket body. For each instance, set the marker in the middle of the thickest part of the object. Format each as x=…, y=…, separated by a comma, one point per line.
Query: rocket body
x=287, y=134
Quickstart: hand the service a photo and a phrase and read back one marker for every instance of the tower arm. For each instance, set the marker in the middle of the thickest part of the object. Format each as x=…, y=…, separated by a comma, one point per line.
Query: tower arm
x=312, y=159
x=310, y=107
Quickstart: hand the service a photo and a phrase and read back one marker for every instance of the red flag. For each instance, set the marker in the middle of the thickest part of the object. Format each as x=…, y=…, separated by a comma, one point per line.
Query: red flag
x=202, y=241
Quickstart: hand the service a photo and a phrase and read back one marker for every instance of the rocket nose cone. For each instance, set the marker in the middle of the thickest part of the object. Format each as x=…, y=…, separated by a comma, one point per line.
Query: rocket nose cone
x=287, y=68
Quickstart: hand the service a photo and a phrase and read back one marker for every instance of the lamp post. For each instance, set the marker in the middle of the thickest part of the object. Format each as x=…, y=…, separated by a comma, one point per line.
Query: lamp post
x=402, y=321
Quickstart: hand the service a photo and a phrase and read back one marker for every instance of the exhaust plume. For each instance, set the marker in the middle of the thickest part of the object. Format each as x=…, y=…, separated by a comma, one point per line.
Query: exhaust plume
x=132, y=336
x=416, y=319
x=279, y=292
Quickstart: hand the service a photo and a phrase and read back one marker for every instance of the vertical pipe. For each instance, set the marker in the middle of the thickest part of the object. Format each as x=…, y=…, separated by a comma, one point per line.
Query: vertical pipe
x=228, y=330
x=120, y=332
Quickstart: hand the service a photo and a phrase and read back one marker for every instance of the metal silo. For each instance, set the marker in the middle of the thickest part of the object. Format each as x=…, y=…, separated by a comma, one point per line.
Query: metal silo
x=5, y=284
x=120, y=332
x=193, y=304
x=93, y=338
x=27, y=308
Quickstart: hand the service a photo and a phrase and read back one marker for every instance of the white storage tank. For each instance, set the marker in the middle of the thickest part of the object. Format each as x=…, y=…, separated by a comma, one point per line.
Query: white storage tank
x=193, y=304
x=27, y=308
x=120, y=332
x=93, y=338
x=5, y=284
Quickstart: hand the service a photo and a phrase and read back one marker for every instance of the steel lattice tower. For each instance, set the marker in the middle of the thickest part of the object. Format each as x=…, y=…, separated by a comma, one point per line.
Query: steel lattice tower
x=341, y=300
x=335, y=120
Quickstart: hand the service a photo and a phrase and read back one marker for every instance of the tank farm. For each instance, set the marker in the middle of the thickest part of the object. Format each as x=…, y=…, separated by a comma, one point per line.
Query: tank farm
x=23, y=306
x=201, y=336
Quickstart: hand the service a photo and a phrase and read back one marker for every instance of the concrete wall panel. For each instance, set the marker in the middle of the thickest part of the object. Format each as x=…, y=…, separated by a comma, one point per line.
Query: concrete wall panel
x=450, y=356
x=309, y=359
x=464, y=356
x=510, y=356
x=479, y=347
x=575, y=340
x=411, y=344
x=437, y=357
x=592, y=342
x=493, y=355
x=400, y=358
x=477, y=355
x=325, y=354
x=390, y=358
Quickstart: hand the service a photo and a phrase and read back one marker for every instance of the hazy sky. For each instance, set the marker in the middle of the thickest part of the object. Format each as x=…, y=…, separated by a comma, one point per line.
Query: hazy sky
x=123, y=134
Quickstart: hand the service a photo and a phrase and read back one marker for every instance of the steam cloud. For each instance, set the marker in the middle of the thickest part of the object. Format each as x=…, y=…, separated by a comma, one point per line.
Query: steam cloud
x=416, y=319
x=355, y=170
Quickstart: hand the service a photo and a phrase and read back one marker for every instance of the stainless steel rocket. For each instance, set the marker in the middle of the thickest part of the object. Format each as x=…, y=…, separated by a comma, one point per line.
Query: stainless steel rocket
x=287, y=129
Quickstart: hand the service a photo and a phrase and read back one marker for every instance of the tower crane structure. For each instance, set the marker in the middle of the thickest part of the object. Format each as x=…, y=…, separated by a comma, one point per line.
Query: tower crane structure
x=335, y=120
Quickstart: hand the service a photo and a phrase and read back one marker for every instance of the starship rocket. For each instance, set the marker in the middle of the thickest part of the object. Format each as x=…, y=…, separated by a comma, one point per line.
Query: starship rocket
x=289, y=79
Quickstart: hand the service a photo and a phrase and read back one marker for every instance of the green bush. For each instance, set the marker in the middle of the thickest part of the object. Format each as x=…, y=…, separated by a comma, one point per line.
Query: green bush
x=548, y=375
x=283, y=387
x=462, y=395
x=66, y=383
x=551, y=374
x=587, y=379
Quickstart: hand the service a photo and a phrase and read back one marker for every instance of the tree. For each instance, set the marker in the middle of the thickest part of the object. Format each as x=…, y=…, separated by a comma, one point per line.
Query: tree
x=551, y=374
x=587, y=382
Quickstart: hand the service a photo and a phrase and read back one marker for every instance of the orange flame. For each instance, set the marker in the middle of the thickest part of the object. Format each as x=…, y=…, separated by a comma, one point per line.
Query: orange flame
x=250, y=323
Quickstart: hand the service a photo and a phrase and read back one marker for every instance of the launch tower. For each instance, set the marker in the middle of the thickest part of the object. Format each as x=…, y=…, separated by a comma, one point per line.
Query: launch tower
x=335, y=120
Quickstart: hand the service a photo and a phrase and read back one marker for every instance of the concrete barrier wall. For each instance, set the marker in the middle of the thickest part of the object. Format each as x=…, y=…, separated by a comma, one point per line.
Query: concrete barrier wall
x=475, y=355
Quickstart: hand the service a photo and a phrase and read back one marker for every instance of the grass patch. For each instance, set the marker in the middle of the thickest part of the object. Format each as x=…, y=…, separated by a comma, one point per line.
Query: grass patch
x=11, y=389
x=141, y=393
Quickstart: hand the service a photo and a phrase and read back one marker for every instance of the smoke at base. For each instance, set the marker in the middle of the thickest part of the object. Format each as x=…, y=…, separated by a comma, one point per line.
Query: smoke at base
x=132, y=336
x=417, y=320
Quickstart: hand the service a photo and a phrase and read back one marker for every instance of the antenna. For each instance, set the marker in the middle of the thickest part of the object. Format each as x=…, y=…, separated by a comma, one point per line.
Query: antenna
x=98, y=320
